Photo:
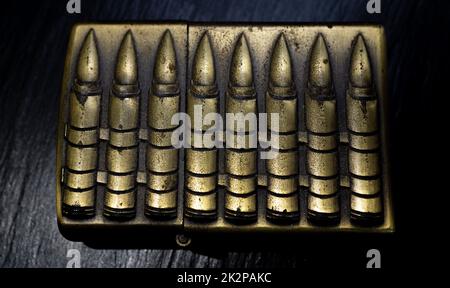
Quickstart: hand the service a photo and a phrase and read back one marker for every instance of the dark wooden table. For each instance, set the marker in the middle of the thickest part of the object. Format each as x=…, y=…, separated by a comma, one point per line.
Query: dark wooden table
x=33, y=42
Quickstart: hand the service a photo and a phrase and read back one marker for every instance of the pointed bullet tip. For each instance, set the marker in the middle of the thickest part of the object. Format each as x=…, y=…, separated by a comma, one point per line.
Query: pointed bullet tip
x=203, y=71
x=241, y=71
x=319, y=64
x=126, y=66
x=88, y=63
x=280, y=64
x=165, y=70
x=360, y=69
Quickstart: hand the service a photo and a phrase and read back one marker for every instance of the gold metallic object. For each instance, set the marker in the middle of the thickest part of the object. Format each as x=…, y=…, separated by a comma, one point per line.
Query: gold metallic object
x=321, y=124
x=201, y=163
x=363, y=152
x=282, y=170
x=115, y=150
x=82, y=132
x=240, y=162
x=123, y=122
x=162, y=157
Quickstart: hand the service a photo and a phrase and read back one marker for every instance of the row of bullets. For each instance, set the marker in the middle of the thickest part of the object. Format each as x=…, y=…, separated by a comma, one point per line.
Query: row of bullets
x=241, y=163
x=80, y=174
x=283, y=170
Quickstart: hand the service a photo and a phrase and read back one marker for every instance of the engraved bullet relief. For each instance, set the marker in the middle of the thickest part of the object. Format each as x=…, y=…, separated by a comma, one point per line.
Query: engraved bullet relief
x=121, y=113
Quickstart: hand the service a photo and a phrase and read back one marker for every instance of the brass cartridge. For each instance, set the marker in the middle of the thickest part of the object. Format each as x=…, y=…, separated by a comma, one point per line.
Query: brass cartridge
x=201, y=162
x=162, y=157
x=241, y=162
x=282, y=169
x=82, y=134
x=123, y=122
x=322, y=163
x=366, y=207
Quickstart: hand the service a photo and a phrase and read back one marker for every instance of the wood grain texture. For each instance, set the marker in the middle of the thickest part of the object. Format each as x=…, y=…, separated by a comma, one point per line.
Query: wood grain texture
x=33, y=42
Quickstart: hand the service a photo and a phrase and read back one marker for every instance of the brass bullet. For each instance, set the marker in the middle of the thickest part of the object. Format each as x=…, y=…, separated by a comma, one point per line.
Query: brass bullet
x=280, y=73
x=82, y=134
x=322, y=163
x=88, y=68
x=366, y=206
x=241, y=71
x=281, y=98
x=162, y=157
x=123, y=122
x=241, y=163
x=201, y=163
x=165, y=69
x=203, y=70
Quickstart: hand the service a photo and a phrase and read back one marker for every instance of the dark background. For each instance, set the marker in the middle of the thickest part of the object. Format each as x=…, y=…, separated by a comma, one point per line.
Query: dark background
x=33, y=41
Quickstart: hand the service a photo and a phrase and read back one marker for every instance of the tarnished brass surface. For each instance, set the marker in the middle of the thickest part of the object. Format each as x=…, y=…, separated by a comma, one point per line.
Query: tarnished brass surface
x=81, y=148
x=363, y=155
x=115, y=156
x=282, y=170
x=322, y=162
x=240, y=163
x=163, y=103
x=123, y=121
x=201, y=163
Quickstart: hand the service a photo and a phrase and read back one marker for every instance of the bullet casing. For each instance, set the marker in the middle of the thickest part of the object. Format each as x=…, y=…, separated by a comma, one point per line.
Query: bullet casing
x=363, y=164
x=123, y=112
x=201, y=161
x=123, y=123
x=241, y=164
x=117, y=202
x=202, y=207
x=241, y=185
x=161, y=204
x=245, y=104
x=79, y=181
x=322, y=119
x=282, y=185
x=121, y=160
x=82, y=137
x=121, y=182
x=79, y=203
x=282, y=207
x=285, y=163
x=161, y=110
x=162, y=182
x=322, y=164
x=366, y=206
x=201, y=164
x=282, y=169
x=283, y=141
x=322, y=159
x=159, y=138
x=363, y=153
x=79, y=190
x=208, y=103
x=84, y=110
x=286, y=110
x=323, y=187
x=81, y=158
x=120, y=139
x=240, y=207
x=323, y=207
x=362, y=115
x=201, y=183
x=162, y=159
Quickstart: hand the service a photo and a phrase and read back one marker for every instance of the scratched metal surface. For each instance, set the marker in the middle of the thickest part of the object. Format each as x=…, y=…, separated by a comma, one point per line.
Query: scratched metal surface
x=33, y=41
